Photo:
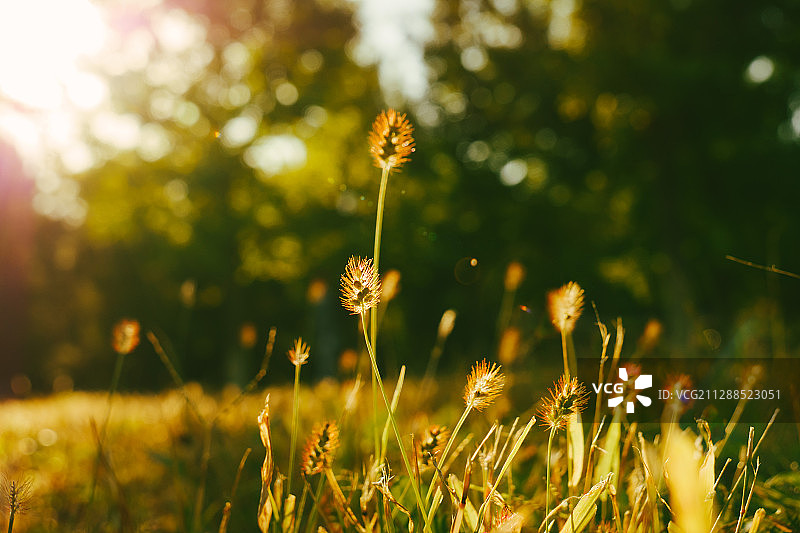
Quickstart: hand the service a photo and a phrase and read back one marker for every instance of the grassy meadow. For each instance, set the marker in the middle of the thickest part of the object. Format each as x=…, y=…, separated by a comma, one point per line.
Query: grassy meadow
x=502, y=448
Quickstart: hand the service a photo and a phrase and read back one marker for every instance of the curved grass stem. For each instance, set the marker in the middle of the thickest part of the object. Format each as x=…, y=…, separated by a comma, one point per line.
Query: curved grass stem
x=409, y=471
x=547, y=479
x=447, y=447
x=295, y=423
x=373, y=316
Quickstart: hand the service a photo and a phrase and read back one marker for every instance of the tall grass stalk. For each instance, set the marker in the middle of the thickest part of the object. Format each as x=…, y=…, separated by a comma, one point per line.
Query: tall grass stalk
x=373, y=316
x=564, y=353
x=403, y=454
x=485, y=382
x=315, y=503
x=102, y=437
x=547, y=478
x=506, y=467
x=446, y=450
x=295, y=424
x=391, y=143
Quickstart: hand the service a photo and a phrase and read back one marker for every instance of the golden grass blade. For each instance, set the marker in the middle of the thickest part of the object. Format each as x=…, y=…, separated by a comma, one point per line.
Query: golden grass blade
x=438, y=497
x=584, y=512
x=514, y=449
x=395, y=399
x=341, y=502
x=653, y=496
x=470, y=515
x=265, y=506
x=575, y=448
x=288, y=513
x=757, y=518
x=609, y=456
x=687, y=490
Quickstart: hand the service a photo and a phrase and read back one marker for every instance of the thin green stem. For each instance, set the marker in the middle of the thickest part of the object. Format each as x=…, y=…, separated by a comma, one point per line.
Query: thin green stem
x=564, y=352
x=112, y=390
x=114, y=383
x=375, y=432
x=11, y=520
x=373, y=316
x=295, y=423
x=201, y=488
x=450, y=442
x=298, y=514
x=547, y=479
x=312, y=518
x=409, y=471
x=379, y=225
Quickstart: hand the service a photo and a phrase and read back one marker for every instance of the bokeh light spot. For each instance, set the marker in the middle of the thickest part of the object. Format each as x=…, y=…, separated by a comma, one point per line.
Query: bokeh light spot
x=474, y=58
x=276, y=153
x=513, y=172
x=286, y=93
x=28, y=446
x=760, y=69
x=239, y=131
x=47, y=437
x=311, y=61
x=467, y=271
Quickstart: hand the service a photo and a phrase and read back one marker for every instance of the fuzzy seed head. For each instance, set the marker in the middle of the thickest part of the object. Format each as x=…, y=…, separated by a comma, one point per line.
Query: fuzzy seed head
x=447, y=323
x=515, y=274
x=484, y=384
x=18, y=495
x=431, y=445
x=360, y=285
x=390, y=141
x=299, y=353
x=319, y=450
x=125, y=336
x=567, y=396
x=565, y=306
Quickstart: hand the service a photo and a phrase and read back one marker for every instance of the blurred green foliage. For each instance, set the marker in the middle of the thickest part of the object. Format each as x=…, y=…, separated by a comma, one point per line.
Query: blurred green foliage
x=626, y=145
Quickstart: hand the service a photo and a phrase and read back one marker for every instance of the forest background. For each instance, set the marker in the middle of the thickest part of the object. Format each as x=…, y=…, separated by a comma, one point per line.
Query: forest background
x=208, y=174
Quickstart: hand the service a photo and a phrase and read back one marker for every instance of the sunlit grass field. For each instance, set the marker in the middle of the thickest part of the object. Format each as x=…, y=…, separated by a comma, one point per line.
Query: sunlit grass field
x=154, y=466
x=502, y=448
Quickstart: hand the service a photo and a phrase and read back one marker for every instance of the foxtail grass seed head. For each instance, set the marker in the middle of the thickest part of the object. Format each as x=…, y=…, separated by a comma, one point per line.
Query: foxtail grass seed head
x=299, y=353
x=515, y=274
x=651, y=336
x=390, y=141
x=248, y=335
x=567, y=396
x=319, y=450
x=361, y=286
x=18, y=495
x=484, y=384
x=125, y=336
x=509, y=348
x=431, y=445
x=565, y=305
x=447, y=323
